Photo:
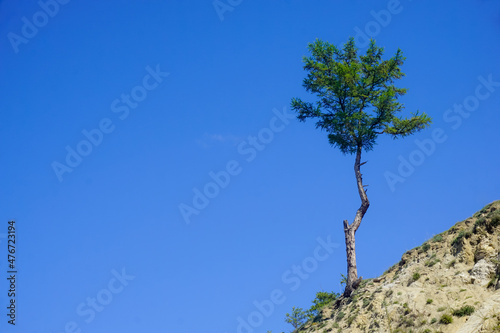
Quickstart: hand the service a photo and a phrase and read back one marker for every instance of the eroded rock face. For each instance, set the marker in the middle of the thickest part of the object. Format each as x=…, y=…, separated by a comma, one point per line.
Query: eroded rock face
x=485, y=250
x=459, y=267
x=482, y=272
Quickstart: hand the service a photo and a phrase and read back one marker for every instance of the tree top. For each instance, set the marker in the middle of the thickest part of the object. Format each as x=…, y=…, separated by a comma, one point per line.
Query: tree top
x=357, y=98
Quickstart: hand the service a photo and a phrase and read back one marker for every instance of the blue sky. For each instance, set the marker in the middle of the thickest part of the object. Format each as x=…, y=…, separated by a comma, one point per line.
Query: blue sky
x=116, y=115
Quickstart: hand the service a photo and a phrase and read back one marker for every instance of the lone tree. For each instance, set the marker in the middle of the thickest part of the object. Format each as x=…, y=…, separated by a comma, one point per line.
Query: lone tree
x=357, y=102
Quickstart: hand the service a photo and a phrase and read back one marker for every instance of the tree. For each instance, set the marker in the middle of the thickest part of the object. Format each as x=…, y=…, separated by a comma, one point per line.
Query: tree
x=322, y=299
x=357, y=102
x=297, y=318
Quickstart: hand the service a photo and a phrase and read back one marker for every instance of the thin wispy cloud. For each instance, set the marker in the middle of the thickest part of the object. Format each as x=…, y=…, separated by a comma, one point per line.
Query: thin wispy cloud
x=210, y=140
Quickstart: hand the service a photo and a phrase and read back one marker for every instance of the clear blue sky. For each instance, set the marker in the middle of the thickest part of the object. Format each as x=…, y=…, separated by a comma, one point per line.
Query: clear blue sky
x=115, y=114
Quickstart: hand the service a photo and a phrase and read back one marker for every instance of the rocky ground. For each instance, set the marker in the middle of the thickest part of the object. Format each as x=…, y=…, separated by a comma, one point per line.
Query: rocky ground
x=448, y=284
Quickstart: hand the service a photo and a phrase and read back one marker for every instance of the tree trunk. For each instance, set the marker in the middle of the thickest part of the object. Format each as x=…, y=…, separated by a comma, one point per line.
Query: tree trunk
x=350, y=230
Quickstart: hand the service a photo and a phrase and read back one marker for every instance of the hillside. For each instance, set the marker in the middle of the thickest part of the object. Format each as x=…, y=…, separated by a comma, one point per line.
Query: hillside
x=448, y=284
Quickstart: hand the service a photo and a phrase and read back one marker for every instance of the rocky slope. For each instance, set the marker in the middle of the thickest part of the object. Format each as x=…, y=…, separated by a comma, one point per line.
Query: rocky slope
x=448, y=284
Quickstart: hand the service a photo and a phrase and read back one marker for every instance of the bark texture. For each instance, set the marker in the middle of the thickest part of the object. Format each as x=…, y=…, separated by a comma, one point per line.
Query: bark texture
x=350, y=229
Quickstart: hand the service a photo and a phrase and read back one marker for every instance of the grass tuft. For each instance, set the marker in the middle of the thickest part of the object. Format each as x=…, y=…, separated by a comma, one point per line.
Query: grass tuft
x=446, y=319
x=465, y=310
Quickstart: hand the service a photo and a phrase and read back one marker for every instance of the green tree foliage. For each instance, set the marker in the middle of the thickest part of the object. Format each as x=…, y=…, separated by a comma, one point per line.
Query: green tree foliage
x=343, y=280
x=357, y=97
x=322, y=299
x=297, y=318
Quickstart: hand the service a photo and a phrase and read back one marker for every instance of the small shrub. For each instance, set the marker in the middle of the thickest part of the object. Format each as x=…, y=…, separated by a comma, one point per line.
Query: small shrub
x=440, y=309
x=461, y=235
x=415, y=276
x=433, y=320
x=452, y=263
x=437, y=238
x=492, y=282
x=350, y=320
x=429, y=301
x=425, y=247
x=366, y=302
x=465, y=310
x=446, y=319
x=340, y=315
x=408, y=322
x=406, y=309
x=427, y=330
x=297, y=318
x=495, y=219
x=322, y=299
x=343, y=280
x=390, y=269
x=485, y=208
x=480, y=222
x=430, y=263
